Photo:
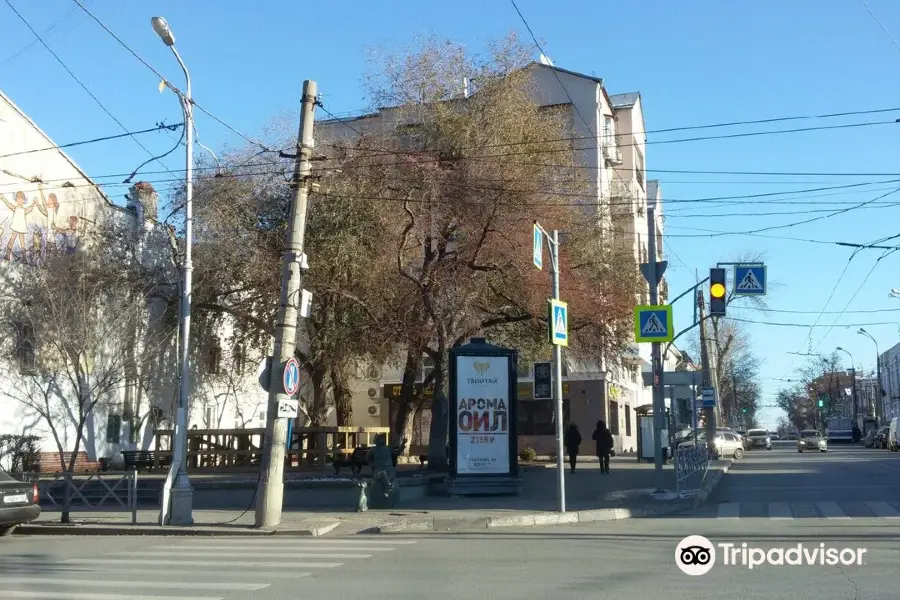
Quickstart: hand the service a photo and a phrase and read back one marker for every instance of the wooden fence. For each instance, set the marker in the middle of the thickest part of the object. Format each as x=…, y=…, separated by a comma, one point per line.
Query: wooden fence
x=227, y=449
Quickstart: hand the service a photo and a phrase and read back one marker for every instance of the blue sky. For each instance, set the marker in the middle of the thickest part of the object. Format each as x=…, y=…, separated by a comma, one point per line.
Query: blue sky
x=696, y=62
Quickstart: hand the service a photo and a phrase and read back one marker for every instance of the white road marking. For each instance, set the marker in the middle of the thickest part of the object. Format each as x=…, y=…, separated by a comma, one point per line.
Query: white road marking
x=61, y=595
x=213, y=564
x=883, y=510
x=48, y=569
x=126, y=584
x=243, y=553
x=780, y=510
x=729, y=510
x=273, y=547
x=830, y=510
x=244, y=542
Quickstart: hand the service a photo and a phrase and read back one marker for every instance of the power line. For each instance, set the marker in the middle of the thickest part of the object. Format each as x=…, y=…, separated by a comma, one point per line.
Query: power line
x=159, y=127
x=883, y=28
x=815, y=312
x=751, y=321
x=77, y=80
x=166, y=81
x=552, y=69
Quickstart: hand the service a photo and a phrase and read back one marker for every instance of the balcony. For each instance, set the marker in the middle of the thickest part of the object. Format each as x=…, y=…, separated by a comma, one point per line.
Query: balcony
x=612, y=152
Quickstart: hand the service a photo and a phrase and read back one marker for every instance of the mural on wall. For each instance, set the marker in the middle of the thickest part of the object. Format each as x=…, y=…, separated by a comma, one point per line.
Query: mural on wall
x=31, y=229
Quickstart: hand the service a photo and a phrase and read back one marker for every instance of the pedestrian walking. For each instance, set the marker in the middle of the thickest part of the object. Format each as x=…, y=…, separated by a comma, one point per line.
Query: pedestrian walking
x=573, y=441
x=604, y=440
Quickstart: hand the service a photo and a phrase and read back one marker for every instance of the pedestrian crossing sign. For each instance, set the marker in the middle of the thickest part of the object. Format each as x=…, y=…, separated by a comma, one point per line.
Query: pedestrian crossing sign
x=559, y=323
x=750, y=280
x=653, y=323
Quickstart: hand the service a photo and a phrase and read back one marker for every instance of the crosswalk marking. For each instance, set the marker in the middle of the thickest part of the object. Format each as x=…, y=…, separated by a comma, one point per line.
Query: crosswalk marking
x=306, y=542
x=831, y=510
x=729, y=510
x=146, y=585
x=780, y=510
x=284, y=547
x=240, y=553
x=61, y=595
x=184, y=573
x=883, y=509
x=213, y=564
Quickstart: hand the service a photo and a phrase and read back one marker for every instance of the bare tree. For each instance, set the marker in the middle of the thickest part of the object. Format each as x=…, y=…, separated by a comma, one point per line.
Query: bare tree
x=83, y=328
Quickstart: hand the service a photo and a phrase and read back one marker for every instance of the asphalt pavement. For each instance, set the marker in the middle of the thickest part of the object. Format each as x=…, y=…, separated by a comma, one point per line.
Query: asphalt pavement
x=630, y=558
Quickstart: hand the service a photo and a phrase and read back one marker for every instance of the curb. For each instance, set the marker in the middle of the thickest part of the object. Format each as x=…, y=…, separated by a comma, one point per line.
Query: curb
x=451, y=525
x=155, y=530
x=710, y=485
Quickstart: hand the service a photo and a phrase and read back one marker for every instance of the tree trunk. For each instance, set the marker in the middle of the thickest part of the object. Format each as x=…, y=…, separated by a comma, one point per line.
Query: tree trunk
x=343, y=398
x=406, y=405
x=317, y=412
x=437, y=444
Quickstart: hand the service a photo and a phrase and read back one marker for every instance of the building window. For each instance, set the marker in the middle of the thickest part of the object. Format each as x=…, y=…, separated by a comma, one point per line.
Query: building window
x=536, y=417
x=25, y=347
x=214, y=360
x=240, y=360
x=113, y=429
x=639, y=167
x=613, y=418
x=209, y=417
x=627, y=420
x=609, y=132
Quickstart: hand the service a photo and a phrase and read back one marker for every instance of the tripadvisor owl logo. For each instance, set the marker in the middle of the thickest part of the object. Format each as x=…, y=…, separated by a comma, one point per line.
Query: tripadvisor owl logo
x=695, y=555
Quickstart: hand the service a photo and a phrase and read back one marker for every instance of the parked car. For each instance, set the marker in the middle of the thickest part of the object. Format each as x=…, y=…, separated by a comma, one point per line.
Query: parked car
x=881, y=438
x=893, y=438
x=811, y=440
x=759, y=438
x=19, y=502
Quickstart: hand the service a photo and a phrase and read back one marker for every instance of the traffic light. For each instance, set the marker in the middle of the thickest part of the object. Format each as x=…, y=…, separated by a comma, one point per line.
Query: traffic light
x=821, y=403
x=743, y=410
x=718, y=292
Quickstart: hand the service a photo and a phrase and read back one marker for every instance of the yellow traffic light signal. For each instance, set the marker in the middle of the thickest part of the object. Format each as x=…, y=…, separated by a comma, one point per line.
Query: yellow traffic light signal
x=718, y=292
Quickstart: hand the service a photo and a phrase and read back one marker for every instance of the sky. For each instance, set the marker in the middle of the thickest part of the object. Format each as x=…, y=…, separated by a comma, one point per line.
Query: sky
x=695, y=62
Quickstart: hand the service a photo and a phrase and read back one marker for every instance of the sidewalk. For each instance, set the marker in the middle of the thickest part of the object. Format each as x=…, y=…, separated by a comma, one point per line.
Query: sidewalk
x=627, y=492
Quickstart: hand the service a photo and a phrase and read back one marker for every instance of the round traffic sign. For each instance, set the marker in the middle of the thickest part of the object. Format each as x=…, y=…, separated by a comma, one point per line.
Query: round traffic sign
x=291, y=377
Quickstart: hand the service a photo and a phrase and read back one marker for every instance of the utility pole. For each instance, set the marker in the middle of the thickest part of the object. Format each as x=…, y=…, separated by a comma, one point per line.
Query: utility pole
x=653, y=273
x=707, y=375
x=270, y=493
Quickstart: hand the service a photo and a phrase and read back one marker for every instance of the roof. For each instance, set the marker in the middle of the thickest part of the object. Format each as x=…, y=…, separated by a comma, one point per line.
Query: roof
x=62, y=153
x=624, y=100
x=568, y=72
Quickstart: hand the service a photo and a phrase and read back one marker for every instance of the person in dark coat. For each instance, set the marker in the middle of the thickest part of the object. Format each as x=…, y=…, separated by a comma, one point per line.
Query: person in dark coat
x=604, y=440
x=573, y=441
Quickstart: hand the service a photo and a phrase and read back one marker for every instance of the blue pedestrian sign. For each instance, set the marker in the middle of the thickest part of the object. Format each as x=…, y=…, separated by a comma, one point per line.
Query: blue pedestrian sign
x=559, y=323
x=653, y=323
x=291, y=378
x=537, y=243
x=750, y=280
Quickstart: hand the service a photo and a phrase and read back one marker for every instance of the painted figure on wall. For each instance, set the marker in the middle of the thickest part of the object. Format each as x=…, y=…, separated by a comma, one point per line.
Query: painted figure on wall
x=18, y=226
x=72, y=234
x=44, y=230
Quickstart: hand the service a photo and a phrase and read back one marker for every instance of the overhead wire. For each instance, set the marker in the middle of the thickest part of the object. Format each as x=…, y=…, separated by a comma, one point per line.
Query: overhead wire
x=159, y=127
x=78, y=81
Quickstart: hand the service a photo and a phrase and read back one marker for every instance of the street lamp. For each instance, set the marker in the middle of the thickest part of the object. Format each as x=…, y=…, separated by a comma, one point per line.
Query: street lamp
x=178, y=495
x=853, y=395
x=879, y=392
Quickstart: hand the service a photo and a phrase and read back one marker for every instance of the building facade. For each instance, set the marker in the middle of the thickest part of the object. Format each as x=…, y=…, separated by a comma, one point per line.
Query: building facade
x=612, y=139
x=50, y=205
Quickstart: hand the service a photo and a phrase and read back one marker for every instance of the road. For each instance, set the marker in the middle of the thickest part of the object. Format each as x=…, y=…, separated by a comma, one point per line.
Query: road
x=634, y=557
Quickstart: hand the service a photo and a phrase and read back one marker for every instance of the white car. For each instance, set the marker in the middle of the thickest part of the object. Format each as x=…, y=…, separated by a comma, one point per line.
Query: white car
x=811, y=440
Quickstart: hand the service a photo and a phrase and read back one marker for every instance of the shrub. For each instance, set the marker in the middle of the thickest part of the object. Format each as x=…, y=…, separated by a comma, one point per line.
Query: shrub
x=527, y=454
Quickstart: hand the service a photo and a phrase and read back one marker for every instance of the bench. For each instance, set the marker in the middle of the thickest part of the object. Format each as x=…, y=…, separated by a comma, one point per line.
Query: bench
x=356, y=462
x=135, y=459
x=360, y=458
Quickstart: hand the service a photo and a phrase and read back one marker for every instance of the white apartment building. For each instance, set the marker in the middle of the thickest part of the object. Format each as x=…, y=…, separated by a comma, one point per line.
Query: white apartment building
x=613, y=149
x=890, y=381
x=66, y=209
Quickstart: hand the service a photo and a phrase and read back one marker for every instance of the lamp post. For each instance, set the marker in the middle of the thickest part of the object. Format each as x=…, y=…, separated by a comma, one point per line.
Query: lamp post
x=879, y=392
x=853, y=395
x=177, y=502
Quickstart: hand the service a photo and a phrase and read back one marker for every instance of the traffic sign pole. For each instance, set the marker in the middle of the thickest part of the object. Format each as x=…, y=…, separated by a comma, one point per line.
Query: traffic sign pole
x=659, y=402
x=557, y=384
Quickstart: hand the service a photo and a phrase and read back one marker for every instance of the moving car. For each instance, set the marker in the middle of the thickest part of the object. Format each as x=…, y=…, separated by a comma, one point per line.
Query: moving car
x=811, y=440
x=19, y=502
x=759, y=438
x=727, y=443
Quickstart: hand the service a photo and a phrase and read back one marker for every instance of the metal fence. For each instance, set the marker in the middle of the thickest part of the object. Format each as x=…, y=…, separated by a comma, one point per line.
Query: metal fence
x=67, y=492
x=691, y=466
